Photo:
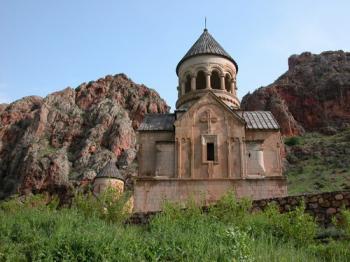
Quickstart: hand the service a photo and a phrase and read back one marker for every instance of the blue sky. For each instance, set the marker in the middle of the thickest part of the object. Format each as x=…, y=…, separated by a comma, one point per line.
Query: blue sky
x=48, y=45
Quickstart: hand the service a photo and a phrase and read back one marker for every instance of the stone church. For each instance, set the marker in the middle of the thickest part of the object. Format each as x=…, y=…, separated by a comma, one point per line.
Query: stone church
x=208, y=146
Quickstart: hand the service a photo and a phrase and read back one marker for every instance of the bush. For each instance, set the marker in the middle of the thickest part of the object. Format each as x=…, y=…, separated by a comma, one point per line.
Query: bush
x=110, y=205
x=38, y=201
x=332, y=251
x=344, y=222
x=296, y=225
x=33, y=234
x=230, y=210
x=292, y=141
x=190, y=235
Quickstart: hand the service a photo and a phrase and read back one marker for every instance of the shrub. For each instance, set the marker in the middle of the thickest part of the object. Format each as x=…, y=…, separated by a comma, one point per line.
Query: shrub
x=230, y=210
x=292, y=159
x=33, y=234
x=191, y=235
x=38, y=201
x=344, y=222
x=295, y=225
x=332, y=251
x=292, y=141
x=109, y=205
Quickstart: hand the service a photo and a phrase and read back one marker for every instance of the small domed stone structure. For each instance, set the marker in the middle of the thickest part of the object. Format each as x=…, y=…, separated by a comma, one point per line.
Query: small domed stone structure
x=109, y=176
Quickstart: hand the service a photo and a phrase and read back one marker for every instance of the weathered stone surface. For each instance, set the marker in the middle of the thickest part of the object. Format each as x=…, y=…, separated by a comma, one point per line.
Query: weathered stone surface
x=314, y=94
x=338, y=197
x=322, y=206
x=48, y=143
x=313, y=199
x=331, y=211
x=325, y=203
x=313, y=205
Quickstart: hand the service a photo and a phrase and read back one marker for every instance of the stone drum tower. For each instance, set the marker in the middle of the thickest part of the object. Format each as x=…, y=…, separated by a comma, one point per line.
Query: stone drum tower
x=207, y=67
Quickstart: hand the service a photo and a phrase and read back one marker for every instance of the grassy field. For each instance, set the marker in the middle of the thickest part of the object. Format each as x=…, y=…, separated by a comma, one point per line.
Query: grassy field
x=91, y=230
x=318, y=163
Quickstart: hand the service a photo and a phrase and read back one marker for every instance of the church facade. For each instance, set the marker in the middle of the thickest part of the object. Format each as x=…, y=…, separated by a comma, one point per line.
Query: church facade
x=208, y=146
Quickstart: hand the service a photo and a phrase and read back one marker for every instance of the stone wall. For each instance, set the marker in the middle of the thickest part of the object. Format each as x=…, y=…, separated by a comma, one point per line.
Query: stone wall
x=322, y=206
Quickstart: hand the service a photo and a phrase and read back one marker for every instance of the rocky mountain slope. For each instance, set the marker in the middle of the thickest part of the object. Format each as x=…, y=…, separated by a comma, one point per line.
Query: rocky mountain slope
x=314, y=94
x=48, y=144
x=318, y=162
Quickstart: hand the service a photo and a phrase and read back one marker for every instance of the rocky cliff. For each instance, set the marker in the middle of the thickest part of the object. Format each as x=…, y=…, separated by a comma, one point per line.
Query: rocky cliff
x=52, y=143
x=314, y=94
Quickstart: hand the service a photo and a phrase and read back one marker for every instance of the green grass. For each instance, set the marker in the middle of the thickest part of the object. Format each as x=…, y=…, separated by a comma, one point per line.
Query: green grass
x=318, y=163
x=31, y=230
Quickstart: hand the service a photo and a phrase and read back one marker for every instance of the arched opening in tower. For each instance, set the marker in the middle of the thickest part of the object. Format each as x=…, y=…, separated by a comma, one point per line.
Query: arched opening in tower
x=188, y=84
x=200, y=80
x=215, y=80
x=228, y=83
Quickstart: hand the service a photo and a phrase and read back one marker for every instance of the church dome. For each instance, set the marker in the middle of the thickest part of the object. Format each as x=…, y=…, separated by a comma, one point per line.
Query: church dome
x=206, y=45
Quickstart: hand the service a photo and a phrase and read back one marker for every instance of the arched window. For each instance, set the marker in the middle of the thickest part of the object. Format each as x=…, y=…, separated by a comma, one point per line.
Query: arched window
x=200, y=80
x=228, y=83
x=215, y=80
x=188, y=84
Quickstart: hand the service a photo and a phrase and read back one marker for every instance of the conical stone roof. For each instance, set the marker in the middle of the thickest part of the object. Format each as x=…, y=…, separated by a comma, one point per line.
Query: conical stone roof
x=206, y=45
x=110, y=170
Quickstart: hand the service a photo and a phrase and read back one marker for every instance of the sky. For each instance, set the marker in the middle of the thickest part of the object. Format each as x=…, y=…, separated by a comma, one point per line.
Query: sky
x=47, y=45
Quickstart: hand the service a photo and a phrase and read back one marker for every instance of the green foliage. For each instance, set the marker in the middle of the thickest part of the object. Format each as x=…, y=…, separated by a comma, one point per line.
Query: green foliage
x=191, y=235
x=292, y=141
x=110, y=205
x=66, y=235
x=296, y=226
x=344, y=222
x=267, y=248
x=332, y=251
x=229, y=210
x=33, y=229
x=39, y=202
x=34, y=234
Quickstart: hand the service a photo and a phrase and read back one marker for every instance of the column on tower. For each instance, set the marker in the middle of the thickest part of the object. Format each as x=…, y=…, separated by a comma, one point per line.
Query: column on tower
x=208, y=80
x=233, y=87
x=222, y=82
x=182, y=88
x=193, y=83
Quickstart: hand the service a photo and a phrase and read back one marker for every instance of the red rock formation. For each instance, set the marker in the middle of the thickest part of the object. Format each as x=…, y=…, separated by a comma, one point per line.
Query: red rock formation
x=48, y=143
x=313, y=94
